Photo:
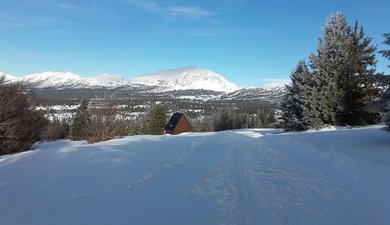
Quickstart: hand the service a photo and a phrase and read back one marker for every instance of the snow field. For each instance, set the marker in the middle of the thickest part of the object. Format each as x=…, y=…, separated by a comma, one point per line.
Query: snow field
x=232, y=177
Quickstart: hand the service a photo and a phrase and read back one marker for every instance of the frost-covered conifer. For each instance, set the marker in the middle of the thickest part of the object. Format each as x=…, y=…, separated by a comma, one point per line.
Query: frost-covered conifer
x=385, y=98
x=345, y=57
x=296, y=100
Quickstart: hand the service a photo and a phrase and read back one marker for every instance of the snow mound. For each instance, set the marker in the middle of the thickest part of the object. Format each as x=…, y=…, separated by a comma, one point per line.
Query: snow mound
x=251, y=134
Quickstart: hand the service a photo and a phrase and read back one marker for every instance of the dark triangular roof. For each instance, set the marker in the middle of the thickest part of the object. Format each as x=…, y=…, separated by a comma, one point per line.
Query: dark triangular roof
x=175, y=118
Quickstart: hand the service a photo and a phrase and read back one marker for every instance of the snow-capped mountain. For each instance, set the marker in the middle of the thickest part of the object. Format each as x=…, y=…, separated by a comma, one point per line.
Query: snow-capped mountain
x=70, y=80
x=8, y=77
x=186, y=78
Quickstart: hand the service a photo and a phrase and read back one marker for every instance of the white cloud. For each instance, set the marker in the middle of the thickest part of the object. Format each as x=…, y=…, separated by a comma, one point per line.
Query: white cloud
x=268, y=83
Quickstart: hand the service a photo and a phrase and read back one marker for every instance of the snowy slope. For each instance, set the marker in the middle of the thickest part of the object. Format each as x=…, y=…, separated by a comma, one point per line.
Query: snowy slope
x=186, y=78
x=234, y=177
x=268, y=94
x=8, y=77
x=67, y=79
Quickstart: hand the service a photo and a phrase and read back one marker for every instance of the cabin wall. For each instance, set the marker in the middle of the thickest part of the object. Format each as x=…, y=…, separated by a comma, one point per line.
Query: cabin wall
x=182, y=126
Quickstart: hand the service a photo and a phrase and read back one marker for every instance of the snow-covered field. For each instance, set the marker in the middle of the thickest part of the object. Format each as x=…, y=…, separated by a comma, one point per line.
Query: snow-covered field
x=233, y=177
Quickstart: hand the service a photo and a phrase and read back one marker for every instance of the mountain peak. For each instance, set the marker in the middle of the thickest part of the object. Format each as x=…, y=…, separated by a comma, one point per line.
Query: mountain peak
x=186, y=78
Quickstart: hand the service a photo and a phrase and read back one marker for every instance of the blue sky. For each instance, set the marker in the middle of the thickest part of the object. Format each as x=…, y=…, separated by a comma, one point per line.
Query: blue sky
x=249, y=42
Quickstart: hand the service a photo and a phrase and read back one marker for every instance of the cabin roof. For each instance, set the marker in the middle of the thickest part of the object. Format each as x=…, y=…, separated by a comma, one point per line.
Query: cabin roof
x=175, y=118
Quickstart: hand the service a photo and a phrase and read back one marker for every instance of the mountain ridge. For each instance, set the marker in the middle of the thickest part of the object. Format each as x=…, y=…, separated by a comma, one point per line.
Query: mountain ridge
x=183, y=78
x=187, y=78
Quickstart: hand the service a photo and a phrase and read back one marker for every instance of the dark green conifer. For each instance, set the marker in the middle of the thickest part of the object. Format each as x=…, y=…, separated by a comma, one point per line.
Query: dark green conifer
x=80, y=121
x=386, y=53
x=155, y=120
x=384, y=101
x=295, y=102
x=345, y=57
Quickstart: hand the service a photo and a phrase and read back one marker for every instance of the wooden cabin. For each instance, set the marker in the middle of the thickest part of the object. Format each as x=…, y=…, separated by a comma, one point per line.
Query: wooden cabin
x=177, y=124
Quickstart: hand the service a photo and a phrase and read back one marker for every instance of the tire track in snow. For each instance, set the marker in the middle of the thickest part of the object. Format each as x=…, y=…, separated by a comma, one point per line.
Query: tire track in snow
x=231, y=186
x=260, y=184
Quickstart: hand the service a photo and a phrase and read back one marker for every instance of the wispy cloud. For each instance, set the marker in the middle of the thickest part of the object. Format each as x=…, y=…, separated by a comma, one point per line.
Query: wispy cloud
x=190, y=12
x=268, y=83
x=44, y=15
x=88, y=10
x=174, y=12
x=224, y=32
x=68, y=7
x=209, y=32
x=149, y=6
x=11, y=23
x=8, y=20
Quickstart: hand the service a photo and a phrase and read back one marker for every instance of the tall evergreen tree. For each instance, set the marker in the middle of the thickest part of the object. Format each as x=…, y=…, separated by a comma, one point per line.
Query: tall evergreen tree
x=345, y=57
x=384, y=105
x=385, y=98
x=386, y=53
x=80, y=121
x=296, y=101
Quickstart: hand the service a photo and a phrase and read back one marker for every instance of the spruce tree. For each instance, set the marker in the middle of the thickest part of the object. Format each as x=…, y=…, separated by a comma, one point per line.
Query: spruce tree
x=80, y=121
x=295, y=102
x=345, y=57
x=386, y=53
x=385, y=98
x=155, y=121
x=385, y=107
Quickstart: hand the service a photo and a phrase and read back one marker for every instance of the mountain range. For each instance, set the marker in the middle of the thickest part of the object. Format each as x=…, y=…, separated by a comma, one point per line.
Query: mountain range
x=189, y=88
x=184, y=78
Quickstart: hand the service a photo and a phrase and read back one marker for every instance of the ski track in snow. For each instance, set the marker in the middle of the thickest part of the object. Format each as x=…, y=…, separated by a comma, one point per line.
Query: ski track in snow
x=239, y=177
x=250, y=188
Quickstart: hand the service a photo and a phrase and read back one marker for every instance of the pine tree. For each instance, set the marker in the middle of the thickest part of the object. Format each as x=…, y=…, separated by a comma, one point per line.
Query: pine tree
x=80, y=121
x=386, y=53
x=385, y=107
x=155, y=121
x=385, y=98
x=295, y=102
x=345, y=57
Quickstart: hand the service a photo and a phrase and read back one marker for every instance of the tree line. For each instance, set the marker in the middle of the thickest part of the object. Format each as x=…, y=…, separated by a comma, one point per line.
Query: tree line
x=104, y=122
x=21, y=125
x=333, y=88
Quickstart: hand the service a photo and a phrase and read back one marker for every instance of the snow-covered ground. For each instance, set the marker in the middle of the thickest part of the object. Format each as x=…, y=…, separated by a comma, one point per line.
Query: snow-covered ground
x=233, y=177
